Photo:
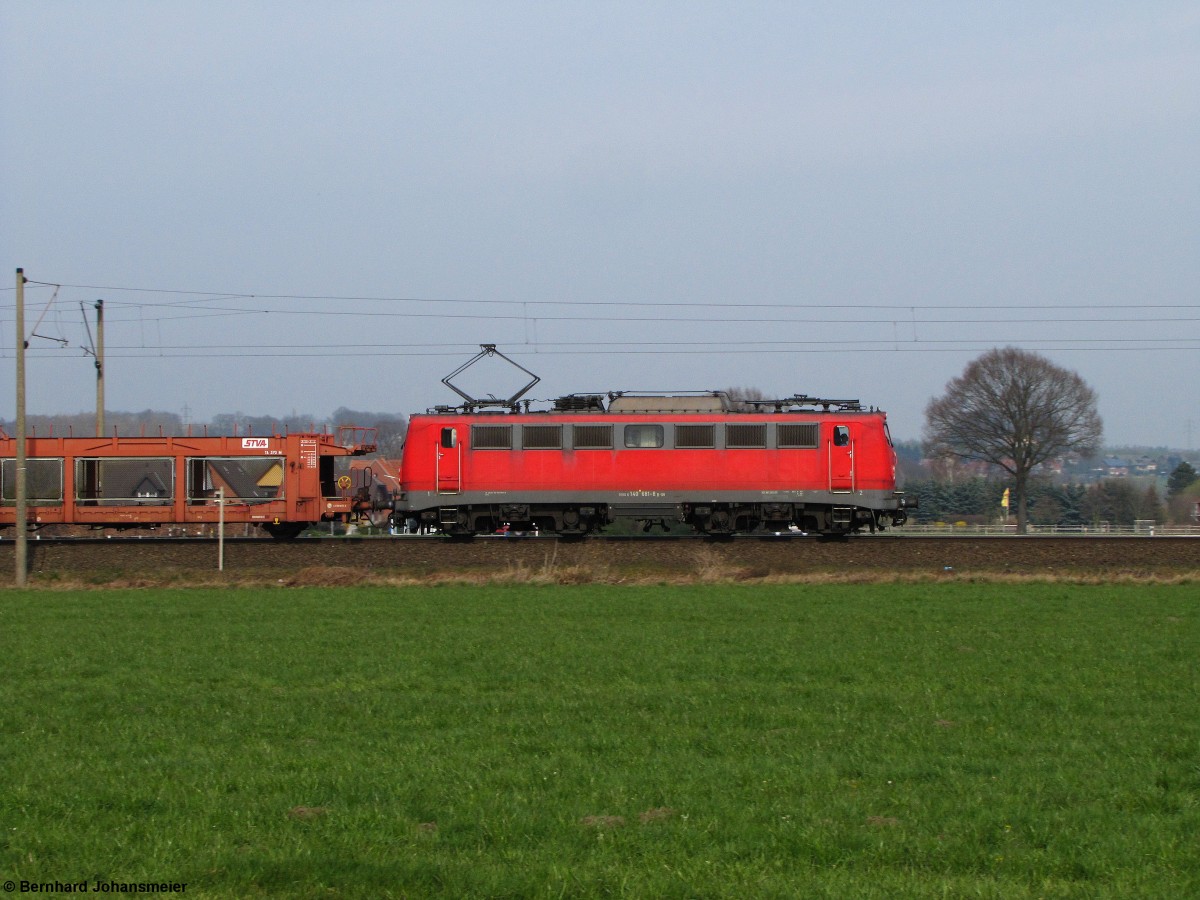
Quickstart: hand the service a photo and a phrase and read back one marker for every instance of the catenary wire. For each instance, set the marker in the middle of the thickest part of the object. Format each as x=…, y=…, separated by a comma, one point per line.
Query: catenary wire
x=902, y=306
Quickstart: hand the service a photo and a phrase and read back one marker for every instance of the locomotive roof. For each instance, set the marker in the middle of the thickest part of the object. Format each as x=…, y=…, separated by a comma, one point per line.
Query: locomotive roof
x=643, y=402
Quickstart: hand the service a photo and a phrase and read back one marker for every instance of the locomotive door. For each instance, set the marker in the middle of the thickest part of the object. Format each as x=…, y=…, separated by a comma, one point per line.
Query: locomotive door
x=448, y=462
x=840, y=449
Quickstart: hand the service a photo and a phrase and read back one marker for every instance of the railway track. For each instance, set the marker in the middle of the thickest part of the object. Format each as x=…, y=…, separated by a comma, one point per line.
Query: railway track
x=598, y=557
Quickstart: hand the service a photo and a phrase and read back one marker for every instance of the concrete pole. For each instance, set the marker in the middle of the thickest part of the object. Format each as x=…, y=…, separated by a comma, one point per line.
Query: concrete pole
x=99, y=368
x=22, y=548
x=221, y=528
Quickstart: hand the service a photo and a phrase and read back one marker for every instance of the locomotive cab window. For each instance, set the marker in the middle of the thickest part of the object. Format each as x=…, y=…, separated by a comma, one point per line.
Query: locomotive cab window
x=643, y=436
x=449, y=437
x=841, y=436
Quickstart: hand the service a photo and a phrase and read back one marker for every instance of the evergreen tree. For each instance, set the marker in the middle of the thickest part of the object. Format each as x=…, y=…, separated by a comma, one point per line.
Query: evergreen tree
x=1181, y=479
x=1150, y=506
x=1113, y=501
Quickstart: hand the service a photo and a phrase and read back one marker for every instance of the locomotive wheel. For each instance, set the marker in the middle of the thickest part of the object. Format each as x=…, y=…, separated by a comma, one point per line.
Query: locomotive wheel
x=458, y=531
x=573, y=525
x=719, y=523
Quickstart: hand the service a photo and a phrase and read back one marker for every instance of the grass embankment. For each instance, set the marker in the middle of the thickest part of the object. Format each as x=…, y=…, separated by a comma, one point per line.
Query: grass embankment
x=953, y=739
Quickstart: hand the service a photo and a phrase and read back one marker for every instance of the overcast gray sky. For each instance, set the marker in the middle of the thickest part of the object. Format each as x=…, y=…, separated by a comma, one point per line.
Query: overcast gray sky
x=299, y=206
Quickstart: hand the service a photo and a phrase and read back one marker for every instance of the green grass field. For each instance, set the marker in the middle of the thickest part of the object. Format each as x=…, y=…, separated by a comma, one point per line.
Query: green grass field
x=891, y=740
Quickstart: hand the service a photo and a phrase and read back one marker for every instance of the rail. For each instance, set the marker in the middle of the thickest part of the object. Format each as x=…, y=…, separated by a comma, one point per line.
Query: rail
x=1150, y=529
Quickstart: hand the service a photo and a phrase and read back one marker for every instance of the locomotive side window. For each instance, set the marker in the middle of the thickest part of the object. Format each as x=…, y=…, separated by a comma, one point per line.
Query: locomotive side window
x=841, y=436
x=491, y=437
x=800, y=436
x=541, y=437
x=592, y=437
x=695, y=437
x=449, y=437
x=643, y=436
x=740, y=436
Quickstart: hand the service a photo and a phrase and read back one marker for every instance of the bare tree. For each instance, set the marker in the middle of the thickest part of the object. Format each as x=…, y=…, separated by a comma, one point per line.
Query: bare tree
x=389, y=428
x=1014, y=409
x=739, y=395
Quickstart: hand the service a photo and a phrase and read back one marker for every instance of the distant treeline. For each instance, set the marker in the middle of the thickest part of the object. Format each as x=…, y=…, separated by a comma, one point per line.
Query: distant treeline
x=1118, y=501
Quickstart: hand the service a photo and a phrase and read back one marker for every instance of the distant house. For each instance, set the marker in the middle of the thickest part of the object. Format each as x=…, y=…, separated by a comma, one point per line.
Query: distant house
x=375, y=478
x=950, y=468
x=1115, y=467
x=245, y=479
x=1053, y=467
x=113, y=482
x=1145, y=465
x=150, y=488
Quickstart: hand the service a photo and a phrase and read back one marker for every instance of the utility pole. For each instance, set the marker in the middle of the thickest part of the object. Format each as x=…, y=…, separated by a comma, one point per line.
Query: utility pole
x=22, y=548
x=100, y=368
x=97, y=351
x=221, y=528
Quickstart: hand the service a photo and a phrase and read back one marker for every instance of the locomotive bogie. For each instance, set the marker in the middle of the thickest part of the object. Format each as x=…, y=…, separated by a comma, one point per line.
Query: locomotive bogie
x=464, y=521
x=717, y=519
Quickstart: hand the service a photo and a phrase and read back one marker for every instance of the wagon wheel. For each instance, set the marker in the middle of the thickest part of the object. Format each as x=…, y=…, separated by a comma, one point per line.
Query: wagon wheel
x=285, y=531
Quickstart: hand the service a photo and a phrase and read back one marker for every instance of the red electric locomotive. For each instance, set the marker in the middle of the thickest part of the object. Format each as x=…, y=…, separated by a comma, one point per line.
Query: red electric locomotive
x=720, y=465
